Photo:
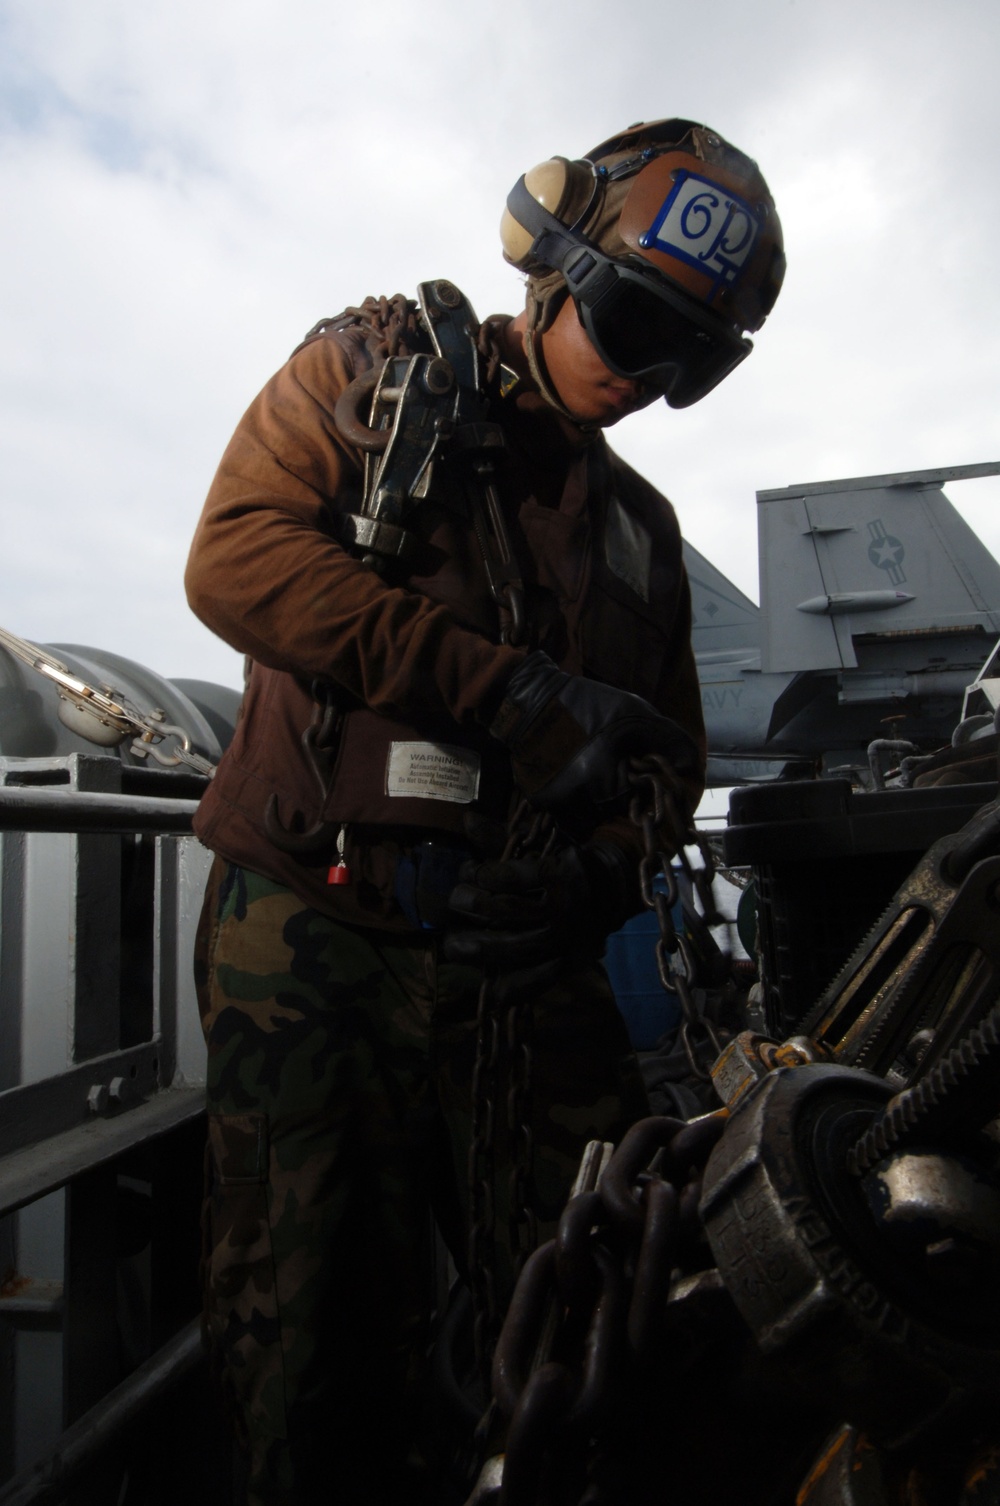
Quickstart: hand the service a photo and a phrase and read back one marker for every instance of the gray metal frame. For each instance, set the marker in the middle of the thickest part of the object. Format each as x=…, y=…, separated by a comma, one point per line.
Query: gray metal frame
x=101, y=1063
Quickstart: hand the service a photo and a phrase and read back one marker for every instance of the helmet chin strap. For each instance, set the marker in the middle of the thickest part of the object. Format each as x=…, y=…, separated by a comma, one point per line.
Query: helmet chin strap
x=536, y=364
x=541, y=378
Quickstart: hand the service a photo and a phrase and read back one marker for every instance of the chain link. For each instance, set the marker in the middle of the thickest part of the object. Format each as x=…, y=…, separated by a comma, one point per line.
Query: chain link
x=528, y=831
x=589, y=1308
x=659, y=811
x=522, y=1223
x=482, y=1167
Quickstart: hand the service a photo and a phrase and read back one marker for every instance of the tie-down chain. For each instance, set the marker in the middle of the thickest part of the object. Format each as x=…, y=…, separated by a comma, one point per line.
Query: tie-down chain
x=503, y=1038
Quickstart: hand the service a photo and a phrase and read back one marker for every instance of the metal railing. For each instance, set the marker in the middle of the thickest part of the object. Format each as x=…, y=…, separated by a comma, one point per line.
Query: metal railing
x=101, y=1101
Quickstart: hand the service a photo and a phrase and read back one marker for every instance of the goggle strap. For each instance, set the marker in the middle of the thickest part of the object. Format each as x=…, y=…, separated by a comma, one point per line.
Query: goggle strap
x=570, y=252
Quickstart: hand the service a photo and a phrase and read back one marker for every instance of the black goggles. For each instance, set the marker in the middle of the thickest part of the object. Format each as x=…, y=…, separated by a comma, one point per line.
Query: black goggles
x=641, y=327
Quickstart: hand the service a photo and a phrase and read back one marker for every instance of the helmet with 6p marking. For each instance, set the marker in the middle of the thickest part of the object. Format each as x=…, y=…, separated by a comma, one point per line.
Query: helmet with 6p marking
x=668, y=240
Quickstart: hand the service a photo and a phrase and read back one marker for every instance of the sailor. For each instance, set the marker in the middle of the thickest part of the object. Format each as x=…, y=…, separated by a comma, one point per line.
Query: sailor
x=451, y=594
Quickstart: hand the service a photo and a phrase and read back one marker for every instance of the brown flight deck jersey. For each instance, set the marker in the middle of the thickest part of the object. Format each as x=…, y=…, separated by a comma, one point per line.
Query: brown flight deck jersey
x=417, y=668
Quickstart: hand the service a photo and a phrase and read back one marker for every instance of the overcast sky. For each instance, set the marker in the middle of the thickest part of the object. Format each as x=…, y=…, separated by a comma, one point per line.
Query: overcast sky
x=187, y=187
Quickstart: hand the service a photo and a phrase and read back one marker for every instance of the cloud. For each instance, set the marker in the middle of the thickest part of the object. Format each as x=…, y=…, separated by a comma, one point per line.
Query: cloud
x=188, y=188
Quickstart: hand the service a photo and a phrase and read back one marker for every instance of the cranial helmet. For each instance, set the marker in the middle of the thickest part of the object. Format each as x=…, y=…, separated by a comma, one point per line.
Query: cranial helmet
x=668, y=241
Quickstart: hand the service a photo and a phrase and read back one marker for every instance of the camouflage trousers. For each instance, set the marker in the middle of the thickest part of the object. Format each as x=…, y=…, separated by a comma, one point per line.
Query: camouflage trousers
x=340, y=1064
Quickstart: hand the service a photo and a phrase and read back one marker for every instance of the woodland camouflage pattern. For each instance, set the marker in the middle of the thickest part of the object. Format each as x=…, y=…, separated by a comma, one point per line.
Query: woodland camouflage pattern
x=339, y=1071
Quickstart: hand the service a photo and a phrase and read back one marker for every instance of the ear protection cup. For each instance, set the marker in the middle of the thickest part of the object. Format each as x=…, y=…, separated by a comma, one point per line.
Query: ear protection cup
x=562, y=187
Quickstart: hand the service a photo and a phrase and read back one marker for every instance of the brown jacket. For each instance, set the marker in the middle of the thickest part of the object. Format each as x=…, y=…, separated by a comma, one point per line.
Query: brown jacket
x=600, y=552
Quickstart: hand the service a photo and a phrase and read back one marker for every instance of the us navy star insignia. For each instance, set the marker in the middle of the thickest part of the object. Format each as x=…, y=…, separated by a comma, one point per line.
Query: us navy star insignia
x=886, y=552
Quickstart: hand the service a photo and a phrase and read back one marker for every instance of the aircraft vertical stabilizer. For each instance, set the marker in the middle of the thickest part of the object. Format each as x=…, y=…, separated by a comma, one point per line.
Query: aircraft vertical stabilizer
x=868, y=558
x=878, y=607
x=722, y=617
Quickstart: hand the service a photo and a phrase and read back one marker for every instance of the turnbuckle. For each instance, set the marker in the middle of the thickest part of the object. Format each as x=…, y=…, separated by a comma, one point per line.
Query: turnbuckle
x=930, y=968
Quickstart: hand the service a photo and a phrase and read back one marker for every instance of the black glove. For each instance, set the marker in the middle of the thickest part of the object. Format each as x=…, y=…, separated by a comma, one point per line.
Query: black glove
x=570, y=738
x=524, y=918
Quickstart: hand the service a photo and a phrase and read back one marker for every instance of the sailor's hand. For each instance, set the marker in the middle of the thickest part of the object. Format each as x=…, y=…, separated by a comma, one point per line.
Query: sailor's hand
x=524, y=918
x=570, y=739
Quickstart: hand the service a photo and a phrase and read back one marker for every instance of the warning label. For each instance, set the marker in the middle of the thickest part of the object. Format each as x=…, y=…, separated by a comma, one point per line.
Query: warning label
x=433, y=771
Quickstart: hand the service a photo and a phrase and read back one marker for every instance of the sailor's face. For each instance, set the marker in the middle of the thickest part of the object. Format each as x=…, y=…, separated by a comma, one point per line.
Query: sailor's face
x=589, y=389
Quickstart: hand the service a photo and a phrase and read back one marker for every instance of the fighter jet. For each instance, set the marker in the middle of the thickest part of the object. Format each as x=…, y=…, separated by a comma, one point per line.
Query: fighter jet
x=879, y=605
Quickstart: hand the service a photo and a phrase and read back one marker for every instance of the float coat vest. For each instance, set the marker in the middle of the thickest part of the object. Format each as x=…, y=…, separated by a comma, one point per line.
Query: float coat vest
x=413, y=671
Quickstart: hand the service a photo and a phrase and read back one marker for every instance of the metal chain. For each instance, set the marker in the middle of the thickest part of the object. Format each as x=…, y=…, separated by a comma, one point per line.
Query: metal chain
x=527, y=831
x=659, y=811
x=481, y=1168
x=588, y=1310
x=521, y=1221
x=388, y=322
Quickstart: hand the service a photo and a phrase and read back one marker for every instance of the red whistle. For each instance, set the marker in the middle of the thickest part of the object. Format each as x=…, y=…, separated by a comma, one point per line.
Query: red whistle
x=339, y=873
